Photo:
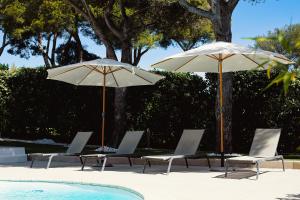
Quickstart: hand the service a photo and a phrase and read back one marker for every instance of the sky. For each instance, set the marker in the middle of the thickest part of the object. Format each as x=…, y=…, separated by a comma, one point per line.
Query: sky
x=248, y=20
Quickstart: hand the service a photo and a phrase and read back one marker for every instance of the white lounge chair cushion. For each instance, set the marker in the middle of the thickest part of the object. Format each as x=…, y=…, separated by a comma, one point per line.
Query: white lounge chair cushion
x=129, y=142
x=75, y=147
x=49, y=154
x=79, y=142
x=94, y=155
x=127, y=146
x=187, y=145
x=244, y=159
x=163, y=157
x=265, y=143
x=250, y=159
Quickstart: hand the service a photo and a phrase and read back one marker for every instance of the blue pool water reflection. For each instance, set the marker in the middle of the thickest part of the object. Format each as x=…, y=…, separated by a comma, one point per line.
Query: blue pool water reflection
x=22, y=190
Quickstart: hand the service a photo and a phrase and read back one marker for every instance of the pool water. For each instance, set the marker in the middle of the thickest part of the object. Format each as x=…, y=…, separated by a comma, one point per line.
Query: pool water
x=22, y=190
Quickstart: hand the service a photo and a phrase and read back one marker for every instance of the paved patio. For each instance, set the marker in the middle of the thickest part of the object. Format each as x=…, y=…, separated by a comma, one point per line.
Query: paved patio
x=181, y=184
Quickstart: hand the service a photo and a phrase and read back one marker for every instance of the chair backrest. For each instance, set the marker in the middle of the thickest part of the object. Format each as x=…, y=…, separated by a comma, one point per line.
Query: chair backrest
x=189, y=142
x=265, y=142
x=129, y=142
x=79, y=142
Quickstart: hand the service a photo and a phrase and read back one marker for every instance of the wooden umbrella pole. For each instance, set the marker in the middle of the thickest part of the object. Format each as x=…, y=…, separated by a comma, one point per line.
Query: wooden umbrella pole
x=221, y=112
x=103, y=109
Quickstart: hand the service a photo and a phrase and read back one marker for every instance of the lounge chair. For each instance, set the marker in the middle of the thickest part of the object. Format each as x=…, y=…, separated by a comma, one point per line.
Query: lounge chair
x=263, y=149
x=186, y=148
x=126, y=149
x=74, y=149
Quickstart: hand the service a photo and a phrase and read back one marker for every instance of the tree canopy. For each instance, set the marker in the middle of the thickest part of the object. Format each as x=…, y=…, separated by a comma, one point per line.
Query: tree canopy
x=28, y=33
x=133, y=27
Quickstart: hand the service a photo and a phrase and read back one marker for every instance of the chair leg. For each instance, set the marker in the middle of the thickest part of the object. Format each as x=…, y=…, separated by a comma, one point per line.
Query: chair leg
x=80, y=160
x=129, y=160
x=49, y=161
x=149, y=163
x=208, y=162
x=226, y=168
x=186, y=163
x=282, y=160
x=83, y=163
x=145, y=164
x=257, y=170
x=98, y=162
x=169, y=166
x=32, y=161
x=103, y=164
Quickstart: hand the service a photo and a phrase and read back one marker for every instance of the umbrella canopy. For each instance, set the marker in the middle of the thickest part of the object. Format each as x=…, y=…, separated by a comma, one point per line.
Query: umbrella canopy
x=206, y=58
x=105, y=73
x=220, y=57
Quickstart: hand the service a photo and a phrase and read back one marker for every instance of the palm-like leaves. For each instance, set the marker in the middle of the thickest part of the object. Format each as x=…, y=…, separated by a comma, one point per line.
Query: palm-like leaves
x=287, y=42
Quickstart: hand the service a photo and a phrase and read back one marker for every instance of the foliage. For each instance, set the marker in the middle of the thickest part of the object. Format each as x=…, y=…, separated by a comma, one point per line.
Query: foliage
x=4, y=66
x=43, y=108
x=66, y=54
x=180, y=101
x=180, y=27
x=134, y=27
x=40, y=108
x=285, y=41
x=255, y=107
x=52, y=25
x=32, y=107
x=4, y=94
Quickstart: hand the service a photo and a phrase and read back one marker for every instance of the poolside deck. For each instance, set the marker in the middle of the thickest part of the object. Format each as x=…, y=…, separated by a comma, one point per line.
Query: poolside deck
x=181, y=184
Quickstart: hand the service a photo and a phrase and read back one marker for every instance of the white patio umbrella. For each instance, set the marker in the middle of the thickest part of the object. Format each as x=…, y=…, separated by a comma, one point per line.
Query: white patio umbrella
x=105, y=73
x=219, y=57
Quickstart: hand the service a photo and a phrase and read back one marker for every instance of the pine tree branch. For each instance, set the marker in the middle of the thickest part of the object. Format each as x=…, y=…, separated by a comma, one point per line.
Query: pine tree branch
x=198, y=11
x=109, y=23
x=5, y=42
x=232, y=4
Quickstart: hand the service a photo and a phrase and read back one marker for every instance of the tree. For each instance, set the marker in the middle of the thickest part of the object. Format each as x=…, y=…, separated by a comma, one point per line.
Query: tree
x=118, y=25
x=53, y=25
x=67, y=54
x=133, y=27
x=10, y=22
x=285, y=41
x=182, y=28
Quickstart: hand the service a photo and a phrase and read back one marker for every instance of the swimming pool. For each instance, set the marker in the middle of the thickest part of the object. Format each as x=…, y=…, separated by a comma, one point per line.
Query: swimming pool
x=38, y=190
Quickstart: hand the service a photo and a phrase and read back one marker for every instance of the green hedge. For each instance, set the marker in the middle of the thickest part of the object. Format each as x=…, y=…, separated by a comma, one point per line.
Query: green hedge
x=256, y=108
x=32, y=107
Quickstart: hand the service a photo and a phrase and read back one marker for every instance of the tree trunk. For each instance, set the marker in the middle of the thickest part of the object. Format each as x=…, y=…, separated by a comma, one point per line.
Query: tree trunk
x=79, y=48
x=119, y=115
x=138, y=53
x=41, y=49
x=1, y=50
x=4, y=42
x=126, y=52
x=52, y=60
x=120, y=100
x=223, y=33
